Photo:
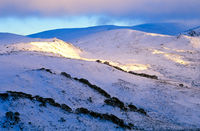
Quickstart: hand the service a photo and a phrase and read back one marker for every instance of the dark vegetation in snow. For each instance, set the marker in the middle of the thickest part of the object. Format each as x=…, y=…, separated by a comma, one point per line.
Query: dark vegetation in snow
x=130, y=72
x=193, y=33
x=43, y=101
x=13, y=118
x=112, y=101
x=47, y=70
x=109, y=117
x=144, y=75
x=96, y=88
x=86, y=82
x=115, y=102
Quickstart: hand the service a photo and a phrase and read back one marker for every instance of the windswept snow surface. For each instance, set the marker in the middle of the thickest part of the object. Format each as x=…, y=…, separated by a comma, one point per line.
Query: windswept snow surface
x=171, y=102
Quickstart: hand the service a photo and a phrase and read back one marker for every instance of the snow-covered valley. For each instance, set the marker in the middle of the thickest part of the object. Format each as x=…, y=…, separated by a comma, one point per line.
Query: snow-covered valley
x=118, y=79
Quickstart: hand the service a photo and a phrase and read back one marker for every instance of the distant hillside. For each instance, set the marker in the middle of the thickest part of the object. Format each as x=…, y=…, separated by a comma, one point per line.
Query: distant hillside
x=72, y=34
x=193, y=32
x=162, y=28
x=8, y=38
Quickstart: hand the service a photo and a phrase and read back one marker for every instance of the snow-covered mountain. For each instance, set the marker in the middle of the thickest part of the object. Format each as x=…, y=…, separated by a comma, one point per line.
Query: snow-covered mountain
x=71, y=35
x=194, y=32
x=74, y=33
x=118, y=79
x=9, y=38
x=127, y=46
x=163, y=28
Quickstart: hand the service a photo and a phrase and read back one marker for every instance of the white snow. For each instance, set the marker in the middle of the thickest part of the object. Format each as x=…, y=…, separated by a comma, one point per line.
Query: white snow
x=169, y=105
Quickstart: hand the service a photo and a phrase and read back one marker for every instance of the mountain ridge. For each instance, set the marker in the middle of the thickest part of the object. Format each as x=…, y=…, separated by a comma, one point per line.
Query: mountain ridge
x=71, y=34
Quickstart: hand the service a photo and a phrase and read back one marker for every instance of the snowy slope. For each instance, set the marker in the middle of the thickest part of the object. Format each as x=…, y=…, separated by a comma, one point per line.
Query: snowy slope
x=71, y=35
x=194, y=32
x=166, y=56
x=8, y=38
x=117, y=96
x=162, y=28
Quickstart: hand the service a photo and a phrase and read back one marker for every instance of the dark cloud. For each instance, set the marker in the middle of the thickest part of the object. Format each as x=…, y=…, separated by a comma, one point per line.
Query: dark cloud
x=149, y=10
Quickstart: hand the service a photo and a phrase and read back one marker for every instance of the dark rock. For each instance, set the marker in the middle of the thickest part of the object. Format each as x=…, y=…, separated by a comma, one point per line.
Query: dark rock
x=84, y=81
x=107, y=63
x=10, y=115
x=142, y=111
x=90, y=99
x=116, y=103
x=109, y=117
x=66, y=108
x=181, y=85
x=144, y=75
x=98, y=89
x=118, y=68
x=82, y=110
x=17, y=114
x=101, y=91
x=62, y=119
x=40, y=99
x=49, y=100
x=12, y=118
x=132, y=107
x=99, y=61
x=96, y=115
x=76, y=79
x=4, y=96
x=56, y=104
x=66, y=75
x=17, y=95
x=47, y=70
